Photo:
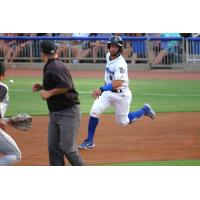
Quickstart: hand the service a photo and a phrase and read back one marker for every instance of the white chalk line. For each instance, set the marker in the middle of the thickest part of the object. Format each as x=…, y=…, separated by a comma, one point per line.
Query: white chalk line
x=144, y=94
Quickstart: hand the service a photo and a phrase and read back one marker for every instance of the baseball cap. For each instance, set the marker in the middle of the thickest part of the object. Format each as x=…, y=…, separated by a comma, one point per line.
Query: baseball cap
x=48, y=47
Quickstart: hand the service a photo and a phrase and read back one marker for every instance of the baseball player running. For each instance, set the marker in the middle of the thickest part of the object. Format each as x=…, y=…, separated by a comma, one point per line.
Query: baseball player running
x=8, y=147
x=114, y=93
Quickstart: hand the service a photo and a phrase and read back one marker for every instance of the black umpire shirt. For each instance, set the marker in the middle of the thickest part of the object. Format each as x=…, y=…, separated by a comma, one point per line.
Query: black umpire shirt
x=56, y=75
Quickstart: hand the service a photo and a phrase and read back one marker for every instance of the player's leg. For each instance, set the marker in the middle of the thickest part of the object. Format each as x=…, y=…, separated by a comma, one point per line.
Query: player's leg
x=133, y=116
x=69, y=123
x=124, y=119
x=56, y=155
x=121, y=103
x=122, y=106
x=99, y=106
x=145, y=110
x=9, y=148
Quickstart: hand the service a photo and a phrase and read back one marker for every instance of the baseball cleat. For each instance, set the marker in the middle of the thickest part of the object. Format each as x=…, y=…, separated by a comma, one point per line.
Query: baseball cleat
x=148, y=111
x=87, y=144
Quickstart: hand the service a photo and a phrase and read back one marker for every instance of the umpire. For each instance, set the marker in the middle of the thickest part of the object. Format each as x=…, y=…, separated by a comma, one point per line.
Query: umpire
x=64, y=109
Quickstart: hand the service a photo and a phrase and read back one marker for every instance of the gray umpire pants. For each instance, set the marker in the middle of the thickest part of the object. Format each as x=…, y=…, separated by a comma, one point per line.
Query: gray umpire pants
x=62, y=135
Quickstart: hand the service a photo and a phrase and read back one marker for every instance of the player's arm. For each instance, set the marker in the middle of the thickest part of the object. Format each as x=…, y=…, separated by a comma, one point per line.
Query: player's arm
x=119, y=77
x=112, y=86
x=116, y=84
x=62, y=81
x=109, y=87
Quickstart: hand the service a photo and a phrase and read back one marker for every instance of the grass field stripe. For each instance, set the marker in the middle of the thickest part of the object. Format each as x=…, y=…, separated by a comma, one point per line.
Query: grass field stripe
x=157, y=94
x=31, y=91
x=145, y=94
x=20, y=90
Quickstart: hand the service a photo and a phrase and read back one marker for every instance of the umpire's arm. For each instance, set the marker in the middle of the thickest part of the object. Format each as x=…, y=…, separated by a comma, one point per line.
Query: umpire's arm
x=45, y=94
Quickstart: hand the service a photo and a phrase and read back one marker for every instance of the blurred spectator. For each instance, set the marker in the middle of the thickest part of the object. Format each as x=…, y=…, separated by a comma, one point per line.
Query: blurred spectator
x=36, y=46
x=44, y=34
x=139, y=49
x=8, y=46
x=3, y=48
x=133, y=49
x=99, y=47
x=167, y=49
x=56, y=34
x=22, y=47
x=80, y=49
x=64, y=47
x=154, y=46
x=185, y=35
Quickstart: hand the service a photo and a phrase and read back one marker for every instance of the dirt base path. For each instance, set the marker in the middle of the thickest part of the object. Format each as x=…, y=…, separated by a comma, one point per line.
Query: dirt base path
x=170, y=137
x=152, y=74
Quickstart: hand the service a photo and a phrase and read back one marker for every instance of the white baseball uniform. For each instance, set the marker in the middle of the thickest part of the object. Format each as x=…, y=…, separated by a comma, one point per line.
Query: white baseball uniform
x=8, y=147
x=116, y=69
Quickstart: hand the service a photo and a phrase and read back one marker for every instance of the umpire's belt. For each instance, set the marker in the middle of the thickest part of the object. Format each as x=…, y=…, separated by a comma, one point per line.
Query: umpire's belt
x=116, y=91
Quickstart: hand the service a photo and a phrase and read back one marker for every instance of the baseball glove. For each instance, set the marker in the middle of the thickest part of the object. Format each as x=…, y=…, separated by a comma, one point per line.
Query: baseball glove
x=21, y=121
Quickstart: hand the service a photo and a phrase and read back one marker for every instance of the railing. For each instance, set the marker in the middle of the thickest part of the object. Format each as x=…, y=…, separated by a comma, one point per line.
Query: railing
x=162, y=52
x=193, y=50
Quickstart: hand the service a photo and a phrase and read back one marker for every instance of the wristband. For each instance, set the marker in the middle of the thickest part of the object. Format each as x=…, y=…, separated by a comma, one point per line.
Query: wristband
x=106, y=87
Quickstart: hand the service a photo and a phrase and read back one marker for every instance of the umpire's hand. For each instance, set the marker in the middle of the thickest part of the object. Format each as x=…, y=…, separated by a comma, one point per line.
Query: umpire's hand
x=45, y=94
x=37, y=87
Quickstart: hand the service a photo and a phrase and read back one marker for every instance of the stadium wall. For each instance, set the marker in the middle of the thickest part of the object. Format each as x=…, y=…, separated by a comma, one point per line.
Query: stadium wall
x=96, y=67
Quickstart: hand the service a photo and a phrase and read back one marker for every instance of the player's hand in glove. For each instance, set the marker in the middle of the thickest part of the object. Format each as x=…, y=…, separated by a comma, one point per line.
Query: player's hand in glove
x=21, y=121
x=96, y=93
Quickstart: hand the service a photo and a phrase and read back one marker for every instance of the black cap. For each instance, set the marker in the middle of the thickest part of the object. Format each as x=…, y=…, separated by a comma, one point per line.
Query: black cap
x=48, y=47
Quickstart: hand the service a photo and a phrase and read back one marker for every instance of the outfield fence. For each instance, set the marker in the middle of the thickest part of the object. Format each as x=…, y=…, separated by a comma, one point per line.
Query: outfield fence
x=153, y=51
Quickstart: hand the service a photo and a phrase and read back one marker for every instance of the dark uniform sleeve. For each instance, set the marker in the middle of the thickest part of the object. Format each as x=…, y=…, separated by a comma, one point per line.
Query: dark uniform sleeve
x=3, y=92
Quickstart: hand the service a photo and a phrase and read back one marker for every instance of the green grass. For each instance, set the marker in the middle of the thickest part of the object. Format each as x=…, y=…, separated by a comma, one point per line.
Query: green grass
x=161, y=163
x=163, y=95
